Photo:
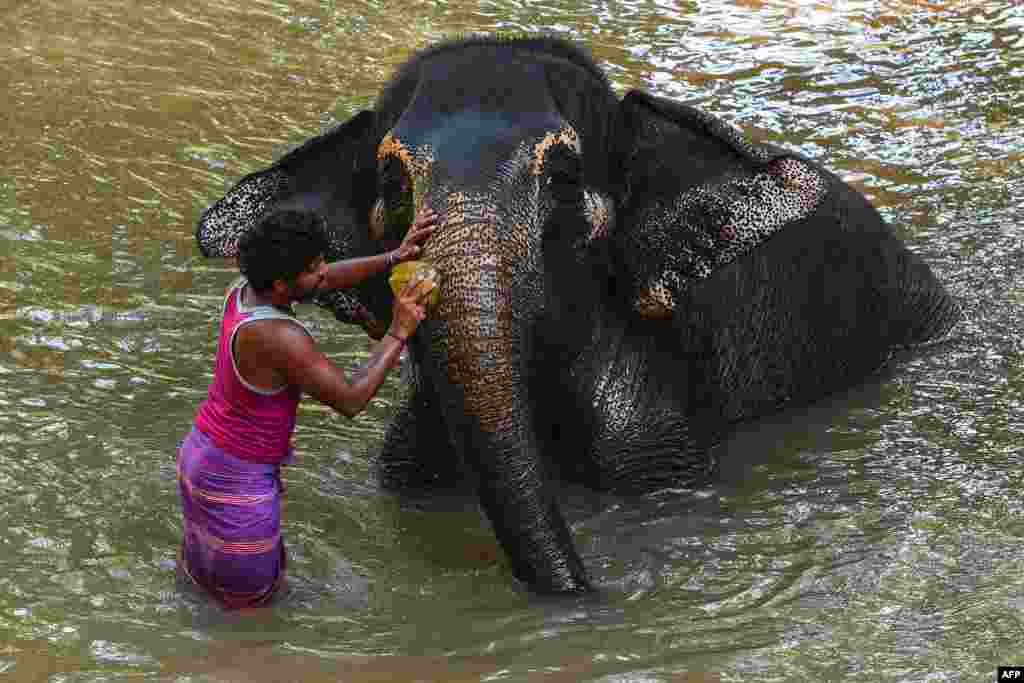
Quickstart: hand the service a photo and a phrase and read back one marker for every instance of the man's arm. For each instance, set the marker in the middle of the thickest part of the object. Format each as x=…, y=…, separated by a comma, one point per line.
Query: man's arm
x=293, y=352
x=350, y=272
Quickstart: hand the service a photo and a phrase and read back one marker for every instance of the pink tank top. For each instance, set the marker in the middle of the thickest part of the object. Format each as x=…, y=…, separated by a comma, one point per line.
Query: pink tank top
x=246, y=421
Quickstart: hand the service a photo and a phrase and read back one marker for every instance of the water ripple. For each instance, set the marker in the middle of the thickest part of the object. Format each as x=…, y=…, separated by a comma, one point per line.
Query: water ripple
x=864, y=537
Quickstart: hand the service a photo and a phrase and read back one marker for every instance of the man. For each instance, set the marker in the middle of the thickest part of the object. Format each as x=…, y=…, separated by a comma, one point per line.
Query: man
x=229, y=464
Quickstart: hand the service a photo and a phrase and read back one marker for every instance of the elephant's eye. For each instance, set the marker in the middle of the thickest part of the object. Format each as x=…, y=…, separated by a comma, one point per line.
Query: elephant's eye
x=564, y=173
x=394, y=208
x=391, y=178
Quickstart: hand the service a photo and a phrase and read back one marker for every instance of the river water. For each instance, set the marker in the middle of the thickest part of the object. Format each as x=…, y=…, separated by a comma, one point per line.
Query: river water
x=874, y=536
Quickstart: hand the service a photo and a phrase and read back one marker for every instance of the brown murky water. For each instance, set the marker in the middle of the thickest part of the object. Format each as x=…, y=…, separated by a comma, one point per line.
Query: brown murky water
x=873, y=537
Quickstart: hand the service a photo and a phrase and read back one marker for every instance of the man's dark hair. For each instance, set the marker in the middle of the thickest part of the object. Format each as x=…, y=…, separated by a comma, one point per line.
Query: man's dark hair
x=280, y=246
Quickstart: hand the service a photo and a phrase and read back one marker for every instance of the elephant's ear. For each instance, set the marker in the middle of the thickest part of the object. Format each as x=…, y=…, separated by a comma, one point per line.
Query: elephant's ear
x=332, y=174
x=324, y=174
x=697, y=195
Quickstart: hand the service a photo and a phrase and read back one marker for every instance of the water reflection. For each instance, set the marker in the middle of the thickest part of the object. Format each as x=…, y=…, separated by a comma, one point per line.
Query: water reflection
x=871, y=535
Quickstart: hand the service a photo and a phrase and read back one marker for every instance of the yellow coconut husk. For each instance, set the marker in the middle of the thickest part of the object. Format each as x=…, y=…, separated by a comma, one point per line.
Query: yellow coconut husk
x=416, y=271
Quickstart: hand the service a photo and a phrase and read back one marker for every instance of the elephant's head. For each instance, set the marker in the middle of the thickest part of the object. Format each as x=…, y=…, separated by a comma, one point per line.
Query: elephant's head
x=527, y=157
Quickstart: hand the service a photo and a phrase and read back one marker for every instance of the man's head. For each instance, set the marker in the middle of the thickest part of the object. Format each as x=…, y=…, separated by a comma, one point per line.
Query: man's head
x=283, y=254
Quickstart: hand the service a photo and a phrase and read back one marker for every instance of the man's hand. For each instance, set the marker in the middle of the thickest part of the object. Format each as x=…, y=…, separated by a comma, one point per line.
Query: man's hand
x=422, y=227
x=410, y=308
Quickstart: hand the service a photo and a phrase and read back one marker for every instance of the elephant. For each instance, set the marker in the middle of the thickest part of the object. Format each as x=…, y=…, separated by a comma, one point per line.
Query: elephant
x=623, y=279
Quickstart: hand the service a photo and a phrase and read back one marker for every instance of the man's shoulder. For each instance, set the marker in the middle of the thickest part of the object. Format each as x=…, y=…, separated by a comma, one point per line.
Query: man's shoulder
x=276, y=331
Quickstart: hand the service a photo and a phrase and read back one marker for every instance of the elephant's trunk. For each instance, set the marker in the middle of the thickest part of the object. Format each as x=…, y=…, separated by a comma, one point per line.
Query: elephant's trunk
x=477, y=335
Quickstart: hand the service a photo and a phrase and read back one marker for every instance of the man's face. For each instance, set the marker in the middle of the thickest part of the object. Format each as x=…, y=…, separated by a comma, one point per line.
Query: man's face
x=309, y=282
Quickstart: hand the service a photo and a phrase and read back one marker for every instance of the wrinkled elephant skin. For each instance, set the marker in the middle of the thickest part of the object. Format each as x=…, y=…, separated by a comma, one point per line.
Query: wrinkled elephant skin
x=623, y=279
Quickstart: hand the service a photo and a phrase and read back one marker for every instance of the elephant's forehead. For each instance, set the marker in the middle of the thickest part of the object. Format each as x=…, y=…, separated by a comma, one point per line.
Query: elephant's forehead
x=469, y=127
x=472, y=142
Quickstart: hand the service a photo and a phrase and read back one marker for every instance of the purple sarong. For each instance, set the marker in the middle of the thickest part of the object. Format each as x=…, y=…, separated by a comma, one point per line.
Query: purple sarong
x=231, y=512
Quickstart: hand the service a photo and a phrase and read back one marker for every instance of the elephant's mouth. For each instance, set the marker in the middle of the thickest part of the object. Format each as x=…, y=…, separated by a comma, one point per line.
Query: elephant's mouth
x=373, y=326
x=375, y=329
